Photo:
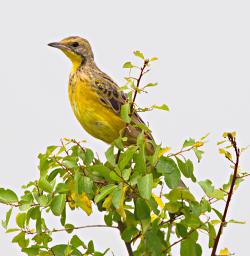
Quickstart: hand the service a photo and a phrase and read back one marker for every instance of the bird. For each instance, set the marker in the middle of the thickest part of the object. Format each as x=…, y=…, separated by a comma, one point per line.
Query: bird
x=96, y=99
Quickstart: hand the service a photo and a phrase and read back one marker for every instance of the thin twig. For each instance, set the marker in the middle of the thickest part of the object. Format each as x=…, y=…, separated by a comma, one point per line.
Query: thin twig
x=79, y=145
x=69, y=229
x=65, y=149
x=63, y=166
x=18, y=204
x=181, y=151
x=230, y=193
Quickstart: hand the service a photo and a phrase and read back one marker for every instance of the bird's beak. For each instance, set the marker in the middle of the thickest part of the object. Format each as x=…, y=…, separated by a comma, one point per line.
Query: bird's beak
x=58, y=45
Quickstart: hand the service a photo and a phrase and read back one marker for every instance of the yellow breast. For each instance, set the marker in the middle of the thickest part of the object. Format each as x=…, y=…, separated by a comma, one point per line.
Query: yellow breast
x=98, y=120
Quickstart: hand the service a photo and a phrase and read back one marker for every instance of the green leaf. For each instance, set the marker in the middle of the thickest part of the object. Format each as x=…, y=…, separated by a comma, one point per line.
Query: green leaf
x=155, y=240
x=188, y=143
x=126, y=174
x=198, y=250
x=34, y=213
x=205, y=205
x=62, y=188
x=190, y=248
x=207, y=187
x=198, y=153
x=63, y=217
x=101, y=170
x=192, y=221
x=142, y=210
x=117, y=197
x=161, y=107
x=140, y=159
x=145, y=185
x=115, y=176
x=20, y=239
x=62, y=249
x=236, y=221
x=69, y=228
x=42, y=239
x=50, y=150
x=70, y=162
x=128, y=233
x=39, y=224
x=186, y=168
x=190, y=168
x=218, y=194
x=126, y=157
x=78, y=182
x=104, y=191
x=150, y=85
x=8, y=196
x=32, y=251
x=89, y=156
x=88, y=187
x=11, y=230
x=169, y=169
x=27, y=198
x=7, y=219
x=181, y=230
x=125, y=113
x=58, y=204
x=91, y=248
x=139, y=54
x=212, y=235
x=180, y=193
x=210, y=191
x=45, y=185
x=54, y=173
x=108, y=219
x=44, y=164
x=110, y=155
x=128, y=65
x=77, y=242
x=20, y=219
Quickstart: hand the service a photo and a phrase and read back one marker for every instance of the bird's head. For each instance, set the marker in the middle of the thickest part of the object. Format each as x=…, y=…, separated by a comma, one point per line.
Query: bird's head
x=77, y=49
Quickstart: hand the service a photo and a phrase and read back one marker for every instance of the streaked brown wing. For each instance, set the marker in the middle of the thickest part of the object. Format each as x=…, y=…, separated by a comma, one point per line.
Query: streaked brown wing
x=111, y=97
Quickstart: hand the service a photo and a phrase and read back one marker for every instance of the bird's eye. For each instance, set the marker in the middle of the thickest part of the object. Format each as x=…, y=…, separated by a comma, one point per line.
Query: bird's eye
x=75, y=44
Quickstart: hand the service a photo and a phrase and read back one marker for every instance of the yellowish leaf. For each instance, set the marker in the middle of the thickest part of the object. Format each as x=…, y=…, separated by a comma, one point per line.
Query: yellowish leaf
x=71, y=202
x=205, y=136
x=233, y=134
x=121, y=210
x=163, y=151
x=158, y=200
x=83, y=202
x=224, y=252
x=198, y=144
x=107, y=202
x=215, y=222
x=225, y=134
x=153, y=217
x=222, y=151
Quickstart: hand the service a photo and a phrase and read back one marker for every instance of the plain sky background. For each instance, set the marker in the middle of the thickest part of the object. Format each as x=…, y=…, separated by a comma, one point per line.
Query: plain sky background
x=203, y=74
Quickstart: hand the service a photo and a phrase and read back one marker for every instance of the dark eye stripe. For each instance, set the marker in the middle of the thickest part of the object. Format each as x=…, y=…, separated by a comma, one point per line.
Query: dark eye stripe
x=75, y=44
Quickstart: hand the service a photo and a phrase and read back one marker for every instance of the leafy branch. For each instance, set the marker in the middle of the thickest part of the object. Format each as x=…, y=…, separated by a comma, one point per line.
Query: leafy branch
x=233, y=142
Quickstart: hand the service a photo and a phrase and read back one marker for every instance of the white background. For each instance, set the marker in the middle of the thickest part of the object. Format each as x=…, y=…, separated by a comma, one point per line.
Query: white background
x=203, y=74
